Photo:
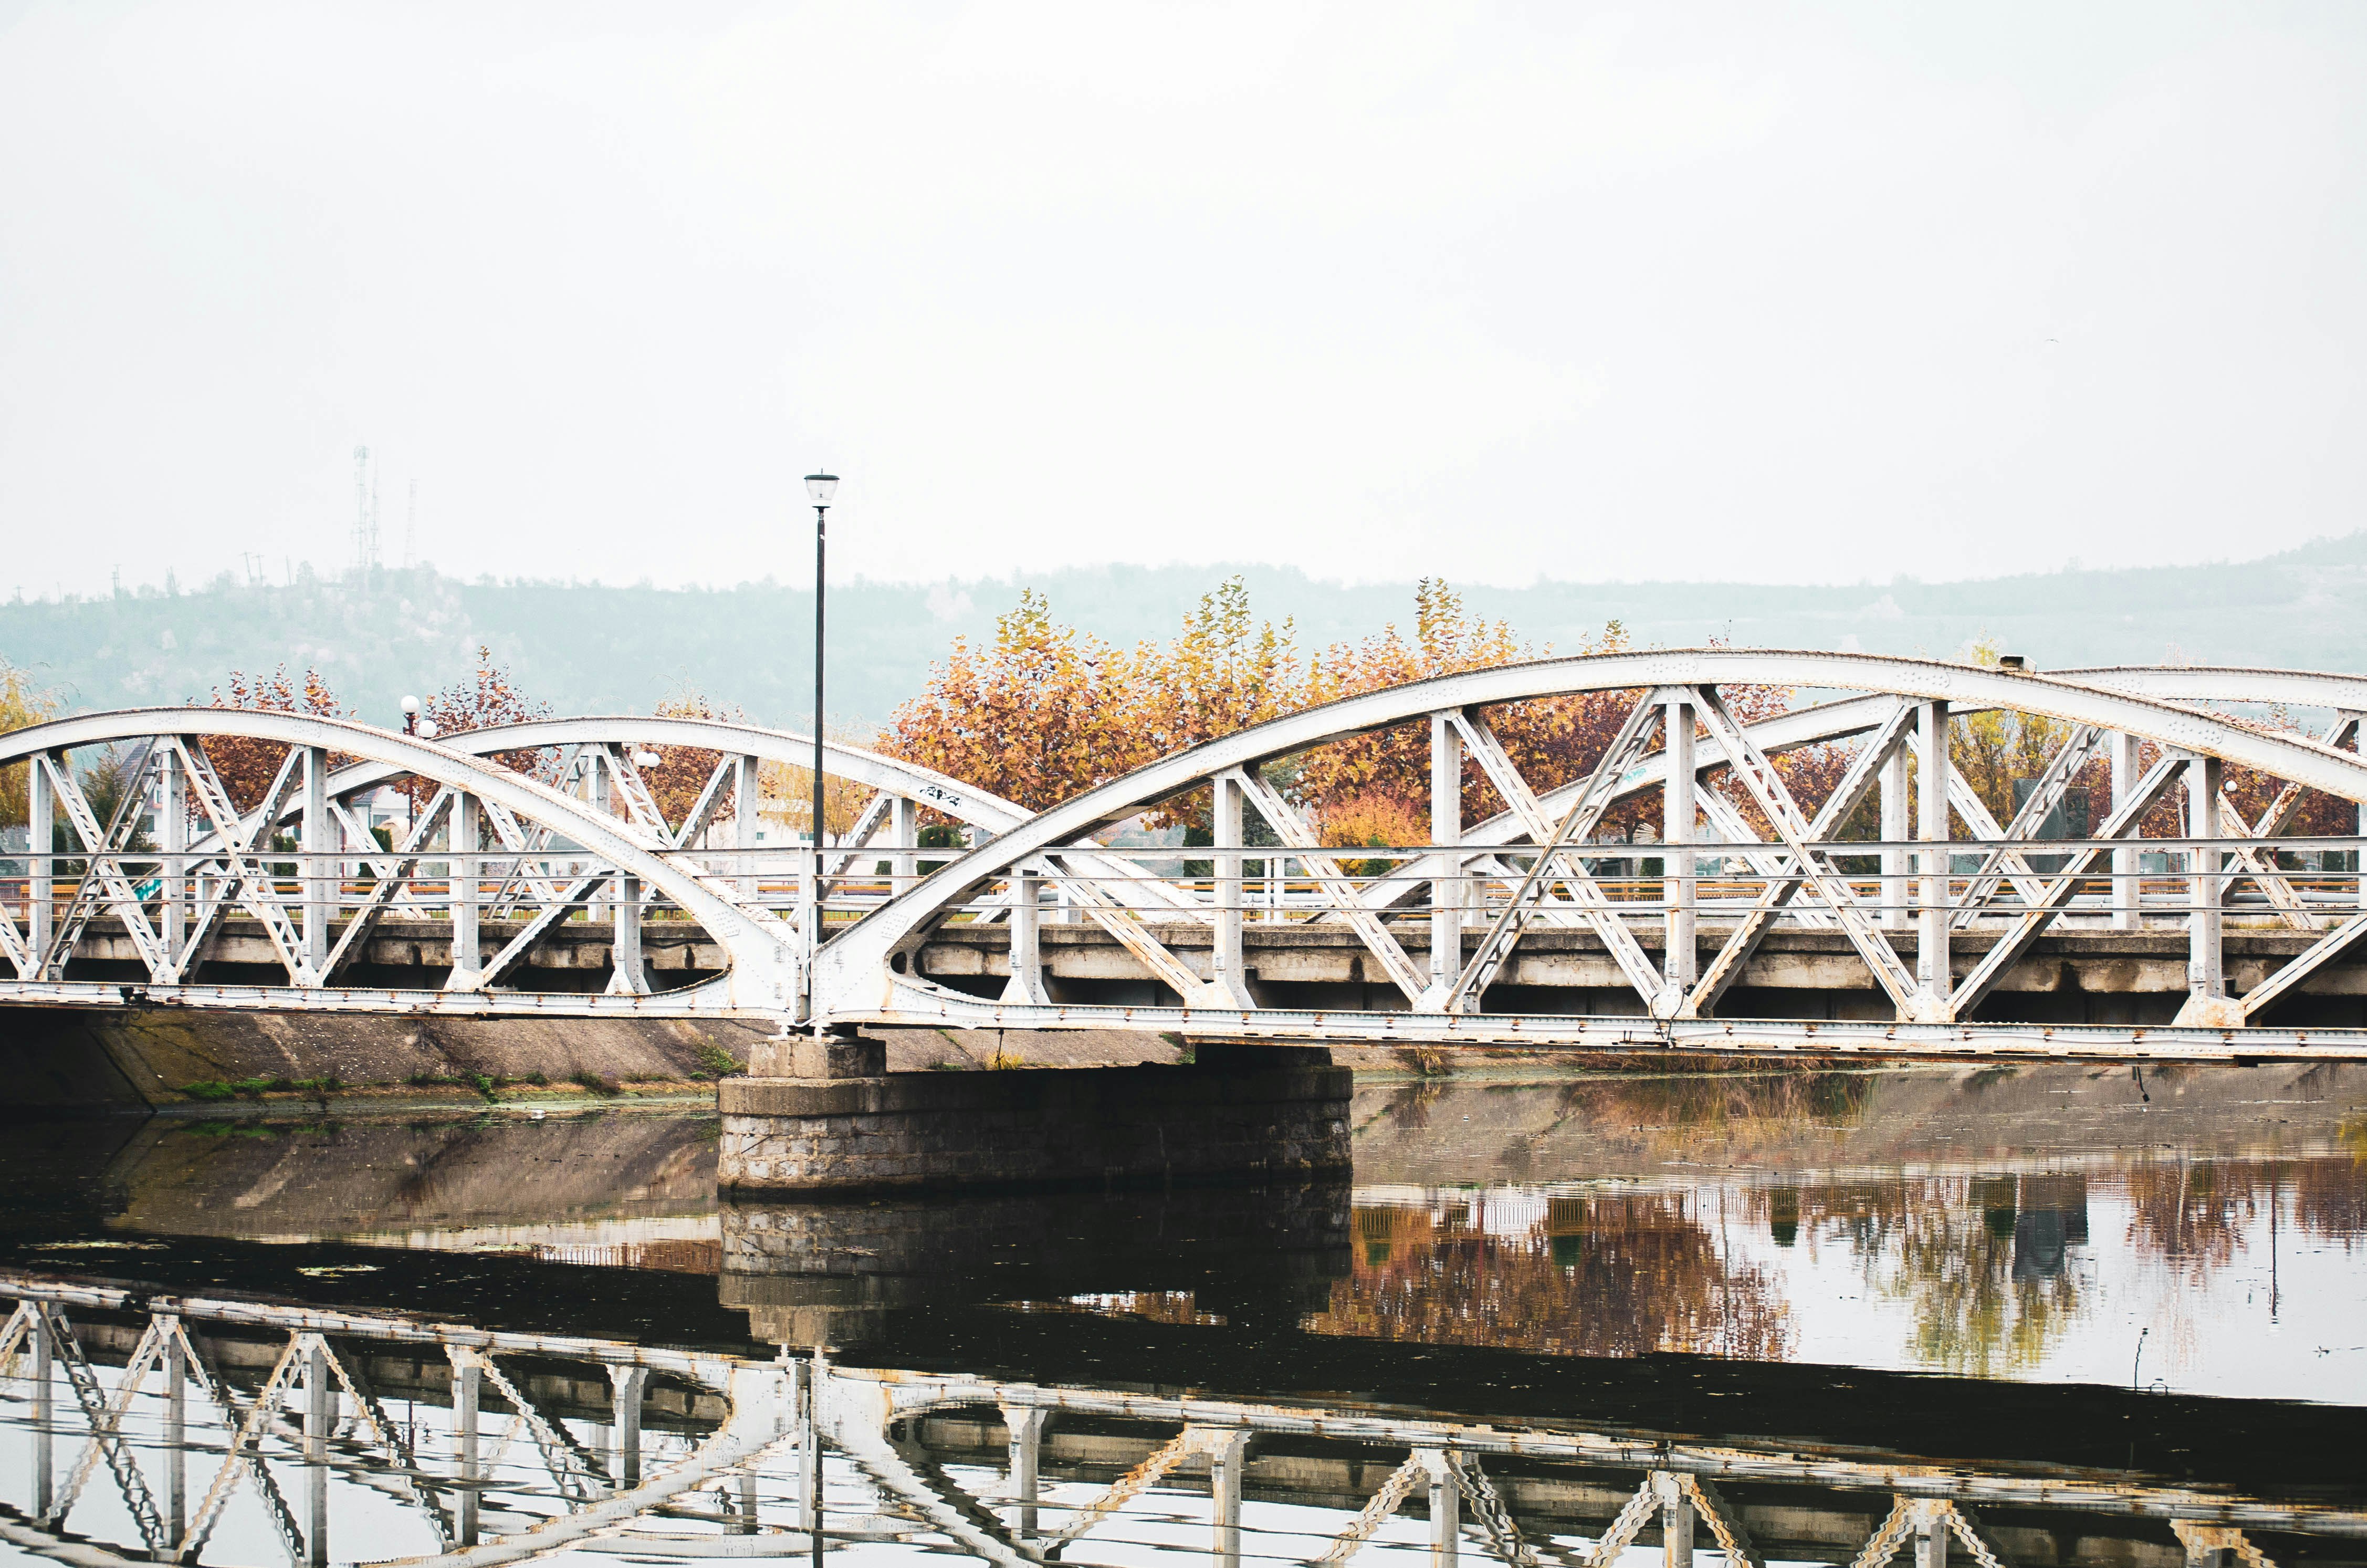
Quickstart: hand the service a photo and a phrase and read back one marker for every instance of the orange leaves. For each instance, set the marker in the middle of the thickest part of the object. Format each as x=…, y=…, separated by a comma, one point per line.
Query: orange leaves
x=1045, y=712
x=1551, y=740
x=247, y=767
x=1049, y=711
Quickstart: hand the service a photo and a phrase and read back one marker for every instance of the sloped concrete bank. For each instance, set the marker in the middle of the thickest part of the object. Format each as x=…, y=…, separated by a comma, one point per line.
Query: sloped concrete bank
x=151, y=1058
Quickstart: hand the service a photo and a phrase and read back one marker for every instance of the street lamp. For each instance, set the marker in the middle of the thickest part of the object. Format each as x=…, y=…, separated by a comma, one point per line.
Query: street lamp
x=411, y=715
x=822, y=488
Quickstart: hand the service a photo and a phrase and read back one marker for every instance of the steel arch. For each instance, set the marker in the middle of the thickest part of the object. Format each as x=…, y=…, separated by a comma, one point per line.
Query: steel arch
x=971, y=806
x=763, y=949
x=858, y=977
x=1851, y=716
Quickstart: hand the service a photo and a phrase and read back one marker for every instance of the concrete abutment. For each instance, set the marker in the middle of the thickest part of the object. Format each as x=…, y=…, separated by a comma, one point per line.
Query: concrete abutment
x=837, y=1121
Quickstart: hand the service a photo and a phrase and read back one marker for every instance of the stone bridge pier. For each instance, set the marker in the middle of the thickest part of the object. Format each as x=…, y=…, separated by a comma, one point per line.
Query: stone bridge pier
x=826, y=1115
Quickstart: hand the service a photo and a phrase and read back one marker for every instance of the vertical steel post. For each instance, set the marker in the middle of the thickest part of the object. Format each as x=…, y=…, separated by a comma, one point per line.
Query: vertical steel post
x=626, y=1386
x=467, y=1377
x=1226, y=1457
x=44, y=1412
x=904, y=838
x=745, y=785
x=2128, y=887
x=625, y=945
x=1680, y=958
x=1446, y=899
x=1931, y=965
x=1025, y=1428
x=1228, y=953
x=40, y=841
x=176, y=1417
x=2358, y=855
x=2206, y=971
x=1676, y=1520
x=321, y=877
x=809, y=1477
x=1027, y=936
x=173, y=838
x=813, y=931
x=602, y=802
x=1446, y=1514
x=747, y=1524
x=1897, y=886
x=462, y=834
x=1931, y=1539
x=320, y=1406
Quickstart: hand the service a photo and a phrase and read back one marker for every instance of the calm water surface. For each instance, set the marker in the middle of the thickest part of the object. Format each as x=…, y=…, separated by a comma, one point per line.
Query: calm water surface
x=2070, y=1304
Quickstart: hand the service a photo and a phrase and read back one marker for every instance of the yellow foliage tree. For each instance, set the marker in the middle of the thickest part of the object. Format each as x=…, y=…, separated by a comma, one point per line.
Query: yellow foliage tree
x=1042, y=713
x=22, y=705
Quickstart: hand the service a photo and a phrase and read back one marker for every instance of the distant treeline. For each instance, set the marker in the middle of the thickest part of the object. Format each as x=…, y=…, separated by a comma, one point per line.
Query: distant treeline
x=590, y=648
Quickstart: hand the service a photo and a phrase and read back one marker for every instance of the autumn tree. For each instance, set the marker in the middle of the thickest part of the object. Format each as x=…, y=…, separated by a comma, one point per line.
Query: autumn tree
x=248, y=766
x=1042, y=713
x=1224, y=671
x=681, y=775
x=22, y=705
x=1551, y=741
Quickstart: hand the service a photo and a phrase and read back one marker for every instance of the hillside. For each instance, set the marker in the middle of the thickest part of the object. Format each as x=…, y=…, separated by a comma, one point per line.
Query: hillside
x=590, y=648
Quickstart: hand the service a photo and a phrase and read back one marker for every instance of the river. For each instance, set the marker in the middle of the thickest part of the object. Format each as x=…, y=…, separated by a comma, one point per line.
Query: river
x=2048, y=1314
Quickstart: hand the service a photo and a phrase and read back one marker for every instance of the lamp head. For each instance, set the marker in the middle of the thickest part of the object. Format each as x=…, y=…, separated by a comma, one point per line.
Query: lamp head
x=821, y=487
x=411, y=707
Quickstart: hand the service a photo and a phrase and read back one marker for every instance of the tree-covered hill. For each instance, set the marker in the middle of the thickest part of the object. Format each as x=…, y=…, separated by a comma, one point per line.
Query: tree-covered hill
x=592, y=648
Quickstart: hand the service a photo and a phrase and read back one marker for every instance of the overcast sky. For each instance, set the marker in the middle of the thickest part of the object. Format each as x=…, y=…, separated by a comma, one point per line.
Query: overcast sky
x=1738, y=291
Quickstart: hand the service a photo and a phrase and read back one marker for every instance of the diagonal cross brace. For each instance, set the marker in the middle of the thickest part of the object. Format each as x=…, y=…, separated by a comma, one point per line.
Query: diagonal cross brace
x=2254, y=864
x=2052, y=785
x=2009, y=947
x=103, y=881
x=1766, y=785
x=392, y=875
x=243, y=879
x=1294, y=834
x=105, y=1417
x=1480, y=970
x=1783, y=882
x=1584, y=891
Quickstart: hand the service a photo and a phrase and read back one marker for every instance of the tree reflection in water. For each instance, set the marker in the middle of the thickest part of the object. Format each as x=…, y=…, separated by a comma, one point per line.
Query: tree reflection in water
x=1982, y=1263
x=1614, y=1275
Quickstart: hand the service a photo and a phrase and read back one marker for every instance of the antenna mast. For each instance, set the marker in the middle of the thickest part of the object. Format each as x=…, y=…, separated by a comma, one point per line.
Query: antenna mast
x=365, y=512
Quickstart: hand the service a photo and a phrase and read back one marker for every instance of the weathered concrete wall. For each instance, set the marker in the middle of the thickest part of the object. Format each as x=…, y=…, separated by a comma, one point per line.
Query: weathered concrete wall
x=138, y=1058
x=133, y=1058
x=1448, y=1131
x=1122, y=1125
x=390, y=1179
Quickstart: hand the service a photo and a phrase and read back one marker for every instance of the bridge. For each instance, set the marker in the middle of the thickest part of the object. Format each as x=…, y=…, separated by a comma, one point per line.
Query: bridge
x=516, y=1446
x=538, y=875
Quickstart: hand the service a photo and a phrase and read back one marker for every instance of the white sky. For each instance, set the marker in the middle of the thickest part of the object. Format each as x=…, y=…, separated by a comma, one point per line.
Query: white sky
x=1695, y=292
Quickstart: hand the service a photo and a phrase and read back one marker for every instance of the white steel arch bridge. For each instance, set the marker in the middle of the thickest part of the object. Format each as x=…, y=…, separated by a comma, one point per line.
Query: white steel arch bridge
x=496, y=862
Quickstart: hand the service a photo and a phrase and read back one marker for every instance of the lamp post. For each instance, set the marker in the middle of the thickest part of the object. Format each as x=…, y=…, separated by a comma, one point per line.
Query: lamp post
x=411, y=715
x=821, y=487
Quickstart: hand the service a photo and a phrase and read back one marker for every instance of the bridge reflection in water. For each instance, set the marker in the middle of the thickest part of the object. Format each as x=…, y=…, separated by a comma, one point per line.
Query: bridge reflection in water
x=233, y=1430
x=1569, y=1323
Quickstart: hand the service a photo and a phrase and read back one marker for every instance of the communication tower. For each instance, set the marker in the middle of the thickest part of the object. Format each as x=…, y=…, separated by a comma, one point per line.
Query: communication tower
x=365, y=511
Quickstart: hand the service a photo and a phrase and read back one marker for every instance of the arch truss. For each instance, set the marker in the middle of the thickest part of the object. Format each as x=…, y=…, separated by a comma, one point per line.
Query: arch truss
x=611, y=843
x=1936, y=908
